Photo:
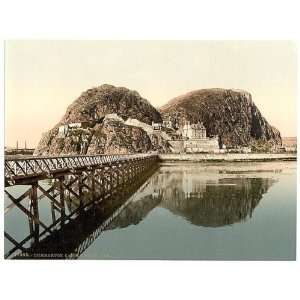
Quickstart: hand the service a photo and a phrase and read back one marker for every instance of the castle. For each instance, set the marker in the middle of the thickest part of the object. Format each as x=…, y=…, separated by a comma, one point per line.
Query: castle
x=194, y=131
x=195, y=139
x=191, y=138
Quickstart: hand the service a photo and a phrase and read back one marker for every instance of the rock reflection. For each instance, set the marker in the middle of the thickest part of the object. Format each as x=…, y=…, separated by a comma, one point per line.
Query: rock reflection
x=135, y=212
x=227, y=201
x=208, y=198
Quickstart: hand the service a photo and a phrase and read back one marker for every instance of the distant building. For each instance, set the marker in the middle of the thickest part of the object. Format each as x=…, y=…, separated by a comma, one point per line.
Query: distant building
x=194, y=131
x=289, y=144
x=64, y=129
x=75, y=125
x=167, y=124
x=194, y=140
x=156, y=126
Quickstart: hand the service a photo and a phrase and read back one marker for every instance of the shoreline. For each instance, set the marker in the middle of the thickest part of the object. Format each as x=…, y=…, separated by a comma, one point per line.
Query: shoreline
x=229, y=157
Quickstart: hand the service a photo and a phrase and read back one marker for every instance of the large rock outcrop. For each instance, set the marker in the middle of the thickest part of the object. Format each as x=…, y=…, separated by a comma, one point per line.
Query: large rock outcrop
x=230, y=114
x=95, y=103
x=113, y=120
x=117, y=120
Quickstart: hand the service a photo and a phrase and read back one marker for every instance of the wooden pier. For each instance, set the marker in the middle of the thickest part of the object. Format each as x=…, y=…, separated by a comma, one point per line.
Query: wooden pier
x=75, y=185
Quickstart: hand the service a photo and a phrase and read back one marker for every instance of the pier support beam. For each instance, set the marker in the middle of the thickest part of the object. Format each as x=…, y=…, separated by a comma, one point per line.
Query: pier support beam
x=62, y=200
x=35, y=211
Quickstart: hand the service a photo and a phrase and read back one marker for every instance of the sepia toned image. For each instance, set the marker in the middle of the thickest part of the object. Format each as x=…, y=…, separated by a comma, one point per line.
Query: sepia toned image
x=150, y=150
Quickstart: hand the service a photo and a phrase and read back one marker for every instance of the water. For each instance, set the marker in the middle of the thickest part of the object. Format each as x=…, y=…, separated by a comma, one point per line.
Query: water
x=196, y=211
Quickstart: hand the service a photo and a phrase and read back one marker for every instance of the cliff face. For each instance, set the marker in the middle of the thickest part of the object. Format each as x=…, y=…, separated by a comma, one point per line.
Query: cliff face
x=103, y=111
x=230, y=114
x=95, y=103
x=114, y=137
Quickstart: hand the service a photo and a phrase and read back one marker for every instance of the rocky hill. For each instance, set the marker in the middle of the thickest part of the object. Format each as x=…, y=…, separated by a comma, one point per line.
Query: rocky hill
x=95, y=103
x=102, y=113
x=230, y=114
x=112, y=120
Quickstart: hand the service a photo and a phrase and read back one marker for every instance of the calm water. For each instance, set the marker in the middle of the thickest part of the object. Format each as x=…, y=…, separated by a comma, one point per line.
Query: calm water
x=232, y=211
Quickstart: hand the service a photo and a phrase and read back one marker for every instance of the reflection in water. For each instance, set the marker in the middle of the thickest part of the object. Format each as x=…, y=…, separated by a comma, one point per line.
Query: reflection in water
x=201, y=200
x=208, y=196
x=73, y=238
x=136, y=211
x=226, y=202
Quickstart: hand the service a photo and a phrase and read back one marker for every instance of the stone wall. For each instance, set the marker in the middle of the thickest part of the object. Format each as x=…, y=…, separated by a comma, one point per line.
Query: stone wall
x=176, y=146
x=194, y=145
x=201, y=145
x=228, y=157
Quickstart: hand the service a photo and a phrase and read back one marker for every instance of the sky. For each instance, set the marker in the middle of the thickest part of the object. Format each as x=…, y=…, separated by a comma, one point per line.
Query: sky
x=42, y=78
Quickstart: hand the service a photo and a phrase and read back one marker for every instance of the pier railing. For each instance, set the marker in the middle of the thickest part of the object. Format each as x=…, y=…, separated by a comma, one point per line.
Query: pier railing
x=16, y=168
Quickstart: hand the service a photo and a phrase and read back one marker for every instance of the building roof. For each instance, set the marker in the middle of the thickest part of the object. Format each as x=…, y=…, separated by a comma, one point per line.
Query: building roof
x=197, y=126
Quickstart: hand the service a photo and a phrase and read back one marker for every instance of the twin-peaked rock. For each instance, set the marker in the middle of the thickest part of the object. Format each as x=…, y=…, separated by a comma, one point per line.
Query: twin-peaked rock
x=230, y=114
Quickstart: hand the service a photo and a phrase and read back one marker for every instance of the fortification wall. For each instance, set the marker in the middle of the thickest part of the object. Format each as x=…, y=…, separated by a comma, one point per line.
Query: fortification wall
x=228, y=157
x=194, y=145
x=201, y=145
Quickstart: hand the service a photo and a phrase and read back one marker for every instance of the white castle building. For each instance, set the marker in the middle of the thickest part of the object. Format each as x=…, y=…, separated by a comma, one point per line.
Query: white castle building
x=194, y=131
x=195, y=140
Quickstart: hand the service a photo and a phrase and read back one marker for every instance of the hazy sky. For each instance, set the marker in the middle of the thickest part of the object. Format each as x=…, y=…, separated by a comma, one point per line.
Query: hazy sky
x=43, y=77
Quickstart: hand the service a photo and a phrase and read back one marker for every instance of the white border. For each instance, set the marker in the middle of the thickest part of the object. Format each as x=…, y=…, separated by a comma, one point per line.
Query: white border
x=135, y=19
